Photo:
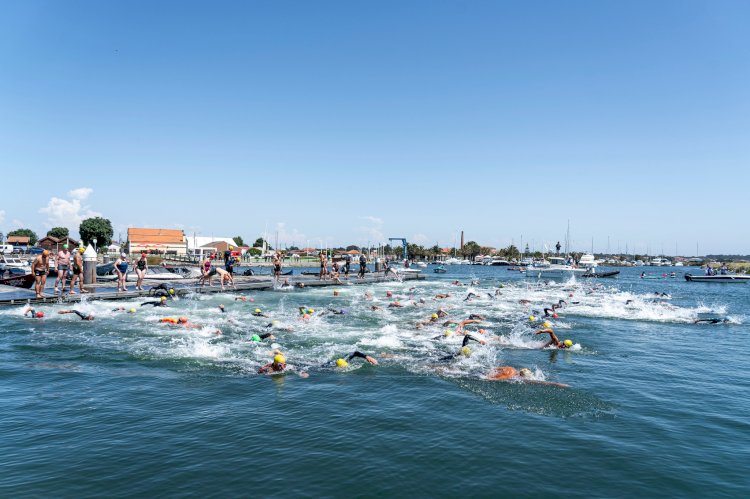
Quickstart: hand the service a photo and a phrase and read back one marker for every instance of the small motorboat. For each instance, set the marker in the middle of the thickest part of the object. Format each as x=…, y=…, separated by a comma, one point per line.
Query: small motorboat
x=728, y=278
x=17, y=277
x=439, y=270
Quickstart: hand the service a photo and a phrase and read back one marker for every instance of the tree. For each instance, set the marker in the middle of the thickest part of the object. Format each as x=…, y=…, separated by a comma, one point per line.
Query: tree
x=352, y=247
x=293, y=248
x=254, y=251
x=259, y=244
x=238, y=241
x=58, y=232
x=25, y=233
x=97, y=227
x=471, y=248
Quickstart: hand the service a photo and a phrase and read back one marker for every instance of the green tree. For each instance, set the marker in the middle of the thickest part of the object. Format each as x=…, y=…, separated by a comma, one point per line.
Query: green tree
x=238, y=241
x=471, y=249
x=25, y=233
x=259, y=244
x=97, y=227
x=58, y=232
x=254, y=251
x=352, y=247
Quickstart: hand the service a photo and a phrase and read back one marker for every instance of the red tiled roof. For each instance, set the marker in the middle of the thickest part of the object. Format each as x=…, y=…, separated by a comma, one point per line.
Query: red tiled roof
x=155, y=236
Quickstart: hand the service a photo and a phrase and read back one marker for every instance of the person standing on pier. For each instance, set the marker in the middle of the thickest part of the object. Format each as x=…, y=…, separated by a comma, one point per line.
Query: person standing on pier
x=229, y=260
x=362, y=266
x=63, y=264
x=347, y=265
x=40, y=269
x=206, y=271
x=323, y=265
x=277, y=266
x=141, y=266
x=77, y=271
x=121, y=267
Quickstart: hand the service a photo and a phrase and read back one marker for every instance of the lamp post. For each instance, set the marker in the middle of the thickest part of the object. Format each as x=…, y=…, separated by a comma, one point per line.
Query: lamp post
x=94, y=241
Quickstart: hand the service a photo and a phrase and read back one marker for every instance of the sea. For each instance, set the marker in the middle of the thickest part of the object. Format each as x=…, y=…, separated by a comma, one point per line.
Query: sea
x=125, y=405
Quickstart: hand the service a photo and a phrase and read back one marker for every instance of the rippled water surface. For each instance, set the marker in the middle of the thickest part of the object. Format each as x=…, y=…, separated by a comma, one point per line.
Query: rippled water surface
x=125, y=405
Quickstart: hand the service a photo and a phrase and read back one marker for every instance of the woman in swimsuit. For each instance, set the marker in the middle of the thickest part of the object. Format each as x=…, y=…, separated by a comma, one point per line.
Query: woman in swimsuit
x=141, y=266
x=206, y=271
x=121, y=267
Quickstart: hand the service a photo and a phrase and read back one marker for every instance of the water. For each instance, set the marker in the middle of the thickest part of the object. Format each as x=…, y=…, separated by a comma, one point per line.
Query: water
x=124, y=405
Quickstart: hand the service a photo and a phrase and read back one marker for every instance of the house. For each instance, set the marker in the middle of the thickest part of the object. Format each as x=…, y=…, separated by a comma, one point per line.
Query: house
x=55, y=244
x=156, y=241
x=22, y=241
x=202, y=246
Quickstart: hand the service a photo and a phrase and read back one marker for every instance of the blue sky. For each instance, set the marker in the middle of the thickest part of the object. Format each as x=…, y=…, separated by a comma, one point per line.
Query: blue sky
x=348, y=122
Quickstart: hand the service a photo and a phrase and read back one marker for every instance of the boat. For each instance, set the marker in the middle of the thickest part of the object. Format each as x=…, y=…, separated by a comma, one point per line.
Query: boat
x=593, y=273
x=154, y=274
x=452, y=261
x=16, y=277
x=728, y=278
x=7, y=262
x=660, y=262
x=421, y=265
x=587, y=261
x=644, y=276
x=499, y=262
x=557, y=268
x=105, y=268
x=439, y=270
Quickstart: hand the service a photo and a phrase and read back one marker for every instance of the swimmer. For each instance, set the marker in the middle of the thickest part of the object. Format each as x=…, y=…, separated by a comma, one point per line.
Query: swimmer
x=550, y=311
x=711, y=321
x=442, y=296
x=161, y=290
x=553, y=339
x=507, y=373
x=477, y=317
x=299, y=285
x=471, y=296
x=123, y=309
x=32, y=313
x=395, y=304
x=88, y=317
x=161, y=303
x=225, y=277
x=344, y=362
x=255, y=338
x=277, y=366
x=465, y=350
x=367, y=295
x=375, y=307
x=334, y=311
x=221, y=307
x=457, y=283
x=240, y=298
x=286, y=284
x=259, y=313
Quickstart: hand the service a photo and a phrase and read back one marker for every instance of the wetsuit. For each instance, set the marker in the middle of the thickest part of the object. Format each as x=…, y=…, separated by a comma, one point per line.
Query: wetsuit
x=347, y=264
x=228, y=262
x=349, y=357
x=362, y=266
x=468, y=337
x=159, y=303
x=79, y=314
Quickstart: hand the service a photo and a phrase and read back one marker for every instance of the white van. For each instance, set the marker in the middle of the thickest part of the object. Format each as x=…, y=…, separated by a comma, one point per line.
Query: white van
x=6, y=249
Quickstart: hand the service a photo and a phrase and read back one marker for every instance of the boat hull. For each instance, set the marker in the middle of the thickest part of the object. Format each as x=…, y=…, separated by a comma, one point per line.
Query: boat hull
x=717, y=278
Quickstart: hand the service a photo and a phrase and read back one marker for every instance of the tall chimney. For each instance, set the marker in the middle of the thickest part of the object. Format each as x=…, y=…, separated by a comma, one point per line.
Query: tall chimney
x=462, y=239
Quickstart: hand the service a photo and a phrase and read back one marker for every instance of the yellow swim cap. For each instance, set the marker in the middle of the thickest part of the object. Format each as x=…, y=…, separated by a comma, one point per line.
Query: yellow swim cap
x=447, y=332
x=532, y=318
x=466, y=351
x=131, y=311
x=310, y=311
x=274, y=323
x=257, y=310
x=341, y=363
x=163, y=298
x=434, y=316
x=171, y=291
x=568, y=343
x=547, y=324
x=279, y=359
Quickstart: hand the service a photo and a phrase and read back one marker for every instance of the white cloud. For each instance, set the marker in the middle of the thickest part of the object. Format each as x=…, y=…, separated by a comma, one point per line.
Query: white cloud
x=68, y=213
x=287, y=236
x=374, y=231
x=81, y=193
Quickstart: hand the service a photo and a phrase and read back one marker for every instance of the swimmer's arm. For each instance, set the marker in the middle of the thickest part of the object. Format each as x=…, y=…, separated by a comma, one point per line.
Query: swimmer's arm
x=267, y=335
x=359, y=354
x=265, y=368
x=470, y=337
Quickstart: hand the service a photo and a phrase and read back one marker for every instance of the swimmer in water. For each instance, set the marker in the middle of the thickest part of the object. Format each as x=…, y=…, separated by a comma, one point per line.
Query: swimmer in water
x=553, y=339
x=259, y=313
x=161, y=303
x=84, y=317
x=255, y=338
x=524, y=375
x=344, y=362
x=277, y=366
x=471, y=296
x=711, y=321
x=32, y=313
x=465, y=350
x=395, y=304
x=548, y=312
x=442, y=296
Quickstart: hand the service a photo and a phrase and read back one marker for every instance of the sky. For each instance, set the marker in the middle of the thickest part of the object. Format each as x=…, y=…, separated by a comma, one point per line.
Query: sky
x=348, y=122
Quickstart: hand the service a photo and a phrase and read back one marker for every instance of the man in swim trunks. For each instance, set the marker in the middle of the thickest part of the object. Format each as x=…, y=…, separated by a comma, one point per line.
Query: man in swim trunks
x=276, y=266
x=63, y=264
x=229, y=260
x=323, y=266
x=77, y=271
x=553, y=339
x=225, y=277
x=84, y=317
x=40, y=269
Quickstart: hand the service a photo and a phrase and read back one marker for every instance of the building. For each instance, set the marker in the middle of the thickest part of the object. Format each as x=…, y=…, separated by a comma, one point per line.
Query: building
x=157, y=241
x=202, y=246
x=55, y=244
x=22, y=241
